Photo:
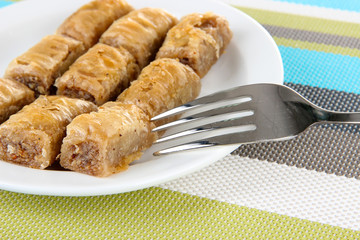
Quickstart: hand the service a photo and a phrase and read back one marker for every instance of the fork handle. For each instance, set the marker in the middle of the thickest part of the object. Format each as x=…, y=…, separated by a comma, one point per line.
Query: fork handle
x=338, y=117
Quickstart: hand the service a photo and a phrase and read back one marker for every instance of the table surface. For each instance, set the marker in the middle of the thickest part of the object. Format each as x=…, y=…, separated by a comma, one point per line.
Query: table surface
x=303, y=188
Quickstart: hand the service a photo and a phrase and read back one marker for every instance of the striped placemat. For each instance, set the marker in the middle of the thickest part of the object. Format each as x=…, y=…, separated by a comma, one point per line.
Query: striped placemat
x=306, y=188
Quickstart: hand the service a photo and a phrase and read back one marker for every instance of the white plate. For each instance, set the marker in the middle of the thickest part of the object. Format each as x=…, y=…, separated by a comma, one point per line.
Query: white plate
x=252, y=57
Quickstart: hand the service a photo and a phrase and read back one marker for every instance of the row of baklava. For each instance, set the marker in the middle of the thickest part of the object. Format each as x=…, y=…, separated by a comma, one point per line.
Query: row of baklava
x=99, y=74
x=108, y=138
x=50, y=58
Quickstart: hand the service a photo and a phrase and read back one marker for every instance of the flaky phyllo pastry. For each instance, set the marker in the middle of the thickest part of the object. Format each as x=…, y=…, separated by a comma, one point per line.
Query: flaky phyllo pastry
x=99, y=75
x=198, y=41
x=13, y=96
x=43, y=63
x=91, y=20
x=163, y=85
x=32, y=137
x=141, y=32
x=105, y=142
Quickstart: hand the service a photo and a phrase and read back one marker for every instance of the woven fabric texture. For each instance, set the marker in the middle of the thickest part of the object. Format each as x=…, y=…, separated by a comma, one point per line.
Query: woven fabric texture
x=273, y=187
x=153, y=213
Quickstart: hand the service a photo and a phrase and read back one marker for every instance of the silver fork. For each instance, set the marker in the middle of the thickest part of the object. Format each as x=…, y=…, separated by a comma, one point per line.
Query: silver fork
x=243, y=115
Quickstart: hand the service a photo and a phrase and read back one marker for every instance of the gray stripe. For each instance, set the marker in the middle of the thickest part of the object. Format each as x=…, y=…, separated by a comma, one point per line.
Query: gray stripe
x=333, y=149
x=309, y=36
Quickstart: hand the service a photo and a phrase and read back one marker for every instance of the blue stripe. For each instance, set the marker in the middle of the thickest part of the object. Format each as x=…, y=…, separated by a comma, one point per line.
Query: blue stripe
x=350, y=5
x=320, y=69
x=4, y=3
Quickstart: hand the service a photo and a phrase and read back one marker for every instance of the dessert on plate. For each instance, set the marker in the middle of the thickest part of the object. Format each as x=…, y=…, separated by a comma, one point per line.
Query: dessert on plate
x=198, y=41
x=13, y=96
x=91, y=20
x=141, y=32
x=33, y=136
x=99, y=75
x=44, y=62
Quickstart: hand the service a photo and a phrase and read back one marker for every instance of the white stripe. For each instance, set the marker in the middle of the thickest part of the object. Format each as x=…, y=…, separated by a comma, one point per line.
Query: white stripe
x=299, y=9
x=319, y=197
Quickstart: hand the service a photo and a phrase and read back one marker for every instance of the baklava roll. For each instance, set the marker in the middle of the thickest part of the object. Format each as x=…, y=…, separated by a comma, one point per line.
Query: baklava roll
x=106, y=142
x=99, y=75
x=164, y=84
x=197, y=40
x=91, y=20
x=13, y=96
x=32, y=137
x=43, y=63
x=141, y=32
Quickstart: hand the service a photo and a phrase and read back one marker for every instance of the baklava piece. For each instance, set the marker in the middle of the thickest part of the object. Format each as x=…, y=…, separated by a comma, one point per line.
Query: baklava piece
x=32, y=137
x=13, y=96
x=99, y=75
x=141, y=32
x=106, y=142
x=164, y=84
x=43, y=63
x=197, y=40
x=91, y=20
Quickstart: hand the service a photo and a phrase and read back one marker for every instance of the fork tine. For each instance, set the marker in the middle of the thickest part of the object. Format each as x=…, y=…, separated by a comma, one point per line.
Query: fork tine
x=213, y=121
x=195, y=135
x=238, y=105
x=174, y=111
x=205, y=103
x=185, y=147
x=207, y=138
x=227, y=94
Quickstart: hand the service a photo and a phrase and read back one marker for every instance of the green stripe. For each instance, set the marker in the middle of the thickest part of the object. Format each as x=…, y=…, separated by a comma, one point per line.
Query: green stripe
x=303, y=22
x=153, y=213
x=353, y=52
